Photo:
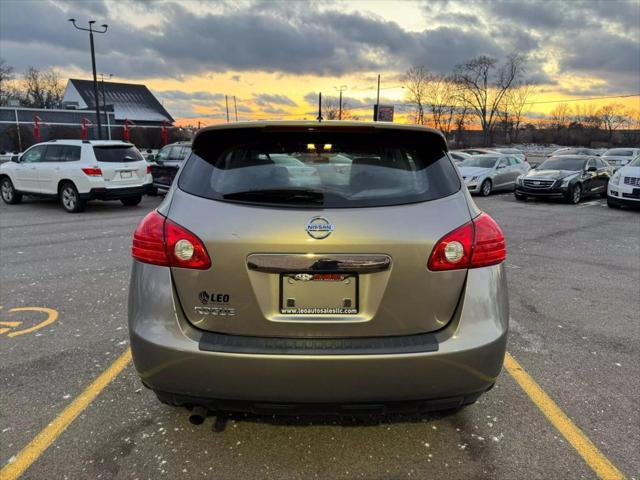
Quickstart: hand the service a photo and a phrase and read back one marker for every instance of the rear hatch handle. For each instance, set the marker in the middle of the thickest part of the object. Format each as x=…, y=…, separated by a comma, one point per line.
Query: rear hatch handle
x=301, y=262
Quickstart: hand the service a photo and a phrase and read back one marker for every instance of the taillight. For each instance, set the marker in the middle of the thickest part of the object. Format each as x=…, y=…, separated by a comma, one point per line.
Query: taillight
x=479, y=243
x=148, y=168
x=460, y=239
x=183, y=248
x=159, y=241
x=92, y=172
x=489, y=247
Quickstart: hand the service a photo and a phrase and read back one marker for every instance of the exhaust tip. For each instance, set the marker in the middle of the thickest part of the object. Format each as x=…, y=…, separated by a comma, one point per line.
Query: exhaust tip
x=198, y=415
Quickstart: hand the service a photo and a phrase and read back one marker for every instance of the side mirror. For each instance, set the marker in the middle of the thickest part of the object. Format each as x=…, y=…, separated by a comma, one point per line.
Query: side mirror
x=592, y=169
x=15, y=158
x=533, y=167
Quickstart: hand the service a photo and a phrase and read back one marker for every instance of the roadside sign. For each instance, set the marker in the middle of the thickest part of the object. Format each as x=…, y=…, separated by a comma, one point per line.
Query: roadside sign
x=383, y=113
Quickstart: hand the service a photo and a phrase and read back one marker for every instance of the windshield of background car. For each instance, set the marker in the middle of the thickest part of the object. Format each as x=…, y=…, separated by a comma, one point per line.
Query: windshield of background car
x=573, y=164
x=117, y=153
x=619, y=152
x=481, y=162
x=635, y=162
x=572, y=151
x=328, y=169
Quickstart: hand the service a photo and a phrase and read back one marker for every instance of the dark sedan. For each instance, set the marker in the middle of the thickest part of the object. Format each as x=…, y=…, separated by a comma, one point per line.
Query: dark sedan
x=165, y=165
x=567, y=177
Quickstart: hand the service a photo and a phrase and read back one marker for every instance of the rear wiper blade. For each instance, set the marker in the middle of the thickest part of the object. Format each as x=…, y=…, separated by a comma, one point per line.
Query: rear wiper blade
x=277, y=195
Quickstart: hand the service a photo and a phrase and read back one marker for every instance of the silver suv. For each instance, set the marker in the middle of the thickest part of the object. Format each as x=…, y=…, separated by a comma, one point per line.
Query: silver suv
x=366, y=280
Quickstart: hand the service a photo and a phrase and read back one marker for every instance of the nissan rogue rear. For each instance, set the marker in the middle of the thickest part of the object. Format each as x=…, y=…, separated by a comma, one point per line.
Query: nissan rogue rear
x=368, y=280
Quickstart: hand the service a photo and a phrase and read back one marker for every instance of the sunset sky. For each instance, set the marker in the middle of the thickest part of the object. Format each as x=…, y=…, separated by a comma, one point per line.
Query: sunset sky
x=275, y=56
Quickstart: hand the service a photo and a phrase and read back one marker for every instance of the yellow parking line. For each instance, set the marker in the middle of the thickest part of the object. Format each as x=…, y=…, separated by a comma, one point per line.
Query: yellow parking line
x=578, y=440
x=48, y=435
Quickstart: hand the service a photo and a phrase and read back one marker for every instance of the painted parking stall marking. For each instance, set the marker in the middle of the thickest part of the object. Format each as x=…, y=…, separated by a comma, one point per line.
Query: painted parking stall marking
x=569, y=430
x=51, y=432
x=13, y=328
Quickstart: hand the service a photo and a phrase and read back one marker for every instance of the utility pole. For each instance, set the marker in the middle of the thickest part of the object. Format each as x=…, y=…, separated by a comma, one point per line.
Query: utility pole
x=93, y=66
x=340, y=89
x=235, y=106
x=375, y=117
x=319, y=107
x=226, y=101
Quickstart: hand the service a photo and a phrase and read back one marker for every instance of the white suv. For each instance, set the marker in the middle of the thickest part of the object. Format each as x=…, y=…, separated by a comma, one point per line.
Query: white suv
x=76, y=171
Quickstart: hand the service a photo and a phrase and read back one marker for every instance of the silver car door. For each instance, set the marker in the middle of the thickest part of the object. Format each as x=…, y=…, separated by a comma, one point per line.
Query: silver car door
x=501, y=175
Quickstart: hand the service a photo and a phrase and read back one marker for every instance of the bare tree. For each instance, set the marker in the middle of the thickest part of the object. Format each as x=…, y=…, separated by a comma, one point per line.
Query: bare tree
x=559, y=119
x=6, y=77
x=461, y=117
x=416, y=84
x=518, y=105
x=586, y=116
x=331, y=109
x=560, y=116
x=612, y=116
x=41, y=89
x=483, y=83
x=440, y=100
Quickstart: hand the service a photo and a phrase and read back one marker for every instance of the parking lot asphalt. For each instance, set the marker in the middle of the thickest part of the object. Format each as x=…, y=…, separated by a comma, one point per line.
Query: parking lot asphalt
x=574, y=279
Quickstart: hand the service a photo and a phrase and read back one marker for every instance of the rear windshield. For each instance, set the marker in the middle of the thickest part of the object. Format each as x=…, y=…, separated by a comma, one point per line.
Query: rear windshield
x=573, y=164
x=117, y=153
x=320, y=170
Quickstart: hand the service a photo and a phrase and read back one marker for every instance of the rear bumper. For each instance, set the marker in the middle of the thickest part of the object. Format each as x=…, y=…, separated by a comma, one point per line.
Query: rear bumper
x=167, y=355
x=115, y=193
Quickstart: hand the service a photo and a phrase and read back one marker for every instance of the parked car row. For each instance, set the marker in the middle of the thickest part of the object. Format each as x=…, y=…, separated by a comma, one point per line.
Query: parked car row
x=570, y=174
x=75, y=171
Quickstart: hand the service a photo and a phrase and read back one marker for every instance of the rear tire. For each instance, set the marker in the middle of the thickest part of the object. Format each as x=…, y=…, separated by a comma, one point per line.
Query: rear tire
x=153, y=192
x=9, y=194
x=131, y=201
x=611, y=204
x=485, y=188
x=574, y=195
x=70, y=198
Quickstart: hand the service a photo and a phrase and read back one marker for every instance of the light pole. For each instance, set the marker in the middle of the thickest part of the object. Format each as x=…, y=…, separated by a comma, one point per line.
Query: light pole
x=93, y=66
x=375, y=119
x=340, y=89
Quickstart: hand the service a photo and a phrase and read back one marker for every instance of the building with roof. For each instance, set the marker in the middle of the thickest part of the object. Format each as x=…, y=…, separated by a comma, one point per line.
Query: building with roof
x=127, y=101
